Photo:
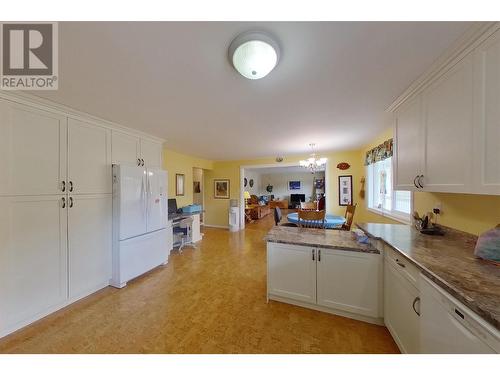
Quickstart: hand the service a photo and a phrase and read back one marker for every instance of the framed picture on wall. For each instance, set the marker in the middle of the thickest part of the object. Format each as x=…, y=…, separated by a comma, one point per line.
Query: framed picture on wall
x=293, y=185
x=179, y=184
x=221, y=189
x=345, y=190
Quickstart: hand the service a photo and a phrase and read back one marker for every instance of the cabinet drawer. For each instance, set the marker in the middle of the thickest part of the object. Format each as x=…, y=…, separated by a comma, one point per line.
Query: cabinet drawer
x=405, y=267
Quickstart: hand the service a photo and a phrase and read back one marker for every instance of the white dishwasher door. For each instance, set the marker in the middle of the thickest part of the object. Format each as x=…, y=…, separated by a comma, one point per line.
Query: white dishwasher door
x=449, y=327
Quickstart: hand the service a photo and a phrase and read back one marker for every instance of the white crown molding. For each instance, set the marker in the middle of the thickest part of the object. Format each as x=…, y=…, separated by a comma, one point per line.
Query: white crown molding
x=61, y=109
x=475, y=35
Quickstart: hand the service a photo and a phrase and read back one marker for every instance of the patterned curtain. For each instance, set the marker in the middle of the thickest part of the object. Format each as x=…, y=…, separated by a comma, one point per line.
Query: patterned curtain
x=379, y=153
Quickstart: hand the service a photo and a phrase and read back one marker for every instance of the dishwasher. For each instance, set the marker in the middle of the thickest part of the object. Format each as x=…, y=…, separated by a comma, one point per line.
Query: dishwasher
x=447, y=326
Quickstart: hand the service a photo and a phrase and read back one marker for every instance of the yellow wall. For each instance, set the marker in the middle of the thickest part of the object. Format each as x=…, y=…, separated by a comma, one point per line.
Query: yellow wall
x=176, y=163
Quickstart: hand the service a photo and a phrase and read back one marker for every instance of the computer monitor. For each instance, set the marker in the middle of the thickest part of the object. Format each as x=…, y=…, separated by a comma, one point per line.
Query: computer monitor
x=172, y=206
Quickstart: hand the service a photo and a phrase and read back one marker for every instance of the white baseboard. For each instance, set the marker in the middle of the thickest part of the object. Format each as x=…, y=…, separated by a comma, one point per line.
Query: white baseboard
x=216, y=226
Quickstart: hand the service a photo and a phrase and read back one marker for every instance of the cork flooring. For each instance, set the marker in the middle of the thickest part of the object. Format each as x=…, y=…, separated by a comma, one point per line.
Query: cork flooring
x=208, y=300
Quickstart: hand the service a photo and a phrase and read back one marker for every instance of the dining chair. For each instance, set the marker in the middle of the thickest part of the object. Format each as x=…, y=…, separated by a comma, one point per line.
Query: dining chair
x=277, y=219
x=311, y=219
x=308, y=206
x=349, y=216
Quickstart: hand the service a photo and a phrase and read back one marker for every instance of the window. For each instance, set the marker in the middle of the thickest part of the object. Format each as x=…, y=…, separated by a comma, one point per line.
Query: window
x=380, y=195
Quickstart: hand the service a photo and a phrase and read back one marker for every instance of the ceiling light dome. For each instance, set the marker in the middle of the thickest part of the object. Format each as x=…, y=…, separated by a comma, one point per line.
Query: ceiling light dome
x=254, y=54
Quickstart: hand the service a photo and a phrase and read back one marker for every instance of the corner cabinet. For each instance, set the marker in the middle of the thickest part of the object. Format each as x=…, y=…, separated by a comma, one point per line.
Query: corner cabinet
x=446, y=134
x=341, y=282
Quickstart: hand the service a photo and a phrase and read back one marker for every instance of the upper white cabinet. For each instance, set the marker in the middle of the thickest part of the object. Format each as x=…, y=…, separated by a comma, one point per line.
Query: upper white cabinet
x=487, y=116
x=448, y=122
x=446, y=134
x=89, y=158
x=408, y=146
x=126, y=148
x=350, y=281
x=32, y=150
x=131, y=150
x=151, y=153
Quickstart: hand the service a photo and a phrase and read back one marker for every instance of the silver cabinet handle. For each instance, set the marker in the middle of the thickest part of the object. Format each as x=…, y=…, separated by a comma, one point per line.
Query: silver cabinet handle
x=313, y=254
x=400, y=264
x=139, y=162
x=63, y=186
x=319, y=255
x=71, y=186
x=63, y=202
x=417, y=299
x=419, y=181
x=415, y=181
x=142, y=162
x=70, y=202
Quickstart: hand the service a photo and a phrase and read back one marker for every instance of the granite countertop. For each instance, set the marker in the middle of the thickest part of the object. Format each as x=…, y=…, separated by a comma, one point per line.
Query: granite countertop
x=449, y=261
x=324, y=238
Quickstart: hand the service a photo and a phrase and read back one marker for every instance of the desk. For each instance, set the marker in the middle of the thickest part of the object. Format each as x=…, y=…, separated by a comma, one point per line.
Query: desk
x=331, y=221
x=174, y=219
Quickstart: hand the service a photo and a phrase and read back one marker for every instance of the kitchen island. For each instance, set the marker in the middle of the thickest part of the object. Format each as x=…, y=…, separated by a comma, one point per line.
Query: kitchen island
x=326, y=270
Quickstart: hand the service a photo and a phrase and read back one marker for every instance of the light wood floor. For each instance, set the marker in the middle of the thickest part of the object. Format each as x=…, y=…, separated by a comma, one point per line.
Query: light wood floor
x=208, y=300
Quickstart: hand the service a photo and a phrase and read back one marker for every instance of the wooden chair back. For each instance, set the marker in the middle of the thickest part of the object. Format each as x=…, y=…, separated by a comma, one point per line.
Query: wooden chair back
x=349, y=216
x=311, y=219
x=308, y=206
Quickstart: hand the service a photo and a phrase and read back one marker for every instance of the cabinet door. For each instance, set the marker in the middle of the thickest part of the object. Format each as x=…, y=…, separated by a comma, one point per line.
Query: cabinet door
x=32, y=150
x=291, y=272
x=350, y=281
x=448, y=111
x=487, y=116
x=399, y=316
x=151, y=152
x=408, y=151
x=33, y=258
x=125, y=148
x=89, y=158
x=89, y=238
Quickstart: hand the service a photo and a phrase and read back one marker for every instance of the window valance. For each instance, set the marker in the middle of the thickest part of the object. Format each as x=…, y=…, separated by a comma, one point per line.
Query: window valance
x=381, y=152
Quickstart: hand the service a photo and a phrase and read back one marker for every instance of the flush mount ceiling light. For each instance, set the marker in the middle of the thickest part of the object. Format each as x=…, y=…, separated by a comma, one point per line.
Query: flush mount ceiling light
x=313, y=164
x=254, y=54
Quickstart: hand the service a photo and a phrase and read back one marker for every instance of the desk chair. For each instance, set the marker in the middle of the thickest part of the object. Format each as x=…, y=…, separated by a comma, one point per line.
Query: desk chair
x=311, y=219
x=277, y=218
x=183, y=231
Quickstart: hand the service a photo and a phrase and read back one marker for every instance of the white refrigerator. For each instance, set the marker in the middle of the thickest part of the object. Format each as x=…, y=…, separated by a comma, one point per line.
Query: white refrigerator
x=139, y=221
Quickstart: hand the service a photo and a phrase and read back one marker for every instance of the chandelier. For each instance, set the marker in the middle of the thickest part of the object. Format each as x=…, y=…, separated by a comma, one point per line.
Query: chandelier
x=313, y=163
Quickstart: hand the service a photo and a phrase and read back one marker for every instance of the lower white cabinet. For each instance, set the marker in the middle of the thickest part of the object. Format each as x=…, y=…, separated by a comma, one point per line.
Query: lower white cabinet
x=349, y=281
x=33, y=259
x=338, y=281
x=291, y=272
x=401, y=309
x=90, y=243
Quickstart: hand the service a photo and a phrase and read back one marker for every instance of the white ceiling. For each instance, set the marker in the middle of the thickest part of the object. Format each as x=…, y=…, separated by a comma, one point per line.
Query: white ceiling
x=278, y=170
x=174, y=80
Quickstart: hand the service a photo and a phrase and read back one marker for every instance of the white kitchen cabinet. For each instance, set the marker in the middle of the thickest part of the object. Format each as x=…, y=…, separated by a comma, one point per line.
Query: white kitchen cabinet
x=32, y=150
x=401, y=309
x=408, y=145
x=33, y=259
x=125, y=148
x=486, y=153
x=448, y=124
x=89, y=158
x=291, y=272
x=349, y=281
x=151, y=153
x=90, y=243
